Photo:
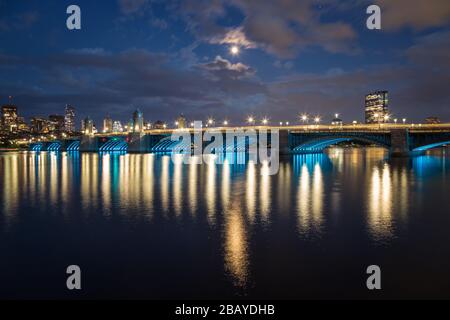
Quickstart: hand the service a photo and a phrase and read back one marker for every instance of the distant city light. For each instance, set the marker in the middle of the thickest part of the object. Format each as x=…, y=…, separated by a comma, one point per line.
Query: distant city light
x=265, y=121
x=316, y=119
x=225, y=123
x=250, y=120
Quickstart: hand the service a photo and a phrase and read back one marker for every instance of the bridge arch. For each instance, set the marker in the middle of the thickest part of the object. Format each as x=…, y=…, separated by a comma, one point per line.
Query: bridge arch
x=114, y=145
x=432, y=145
x=319, y=144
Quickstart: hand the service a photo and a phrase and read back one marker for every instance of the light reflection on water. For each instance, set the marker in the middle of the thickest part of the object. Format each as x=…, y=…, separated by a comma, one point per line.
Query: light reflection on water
x=319, y=193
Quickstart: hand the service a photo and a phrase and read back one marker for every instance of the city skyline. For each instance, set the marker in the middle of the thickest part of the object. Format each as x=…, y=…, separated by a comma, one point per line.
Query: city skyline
x=219, y=59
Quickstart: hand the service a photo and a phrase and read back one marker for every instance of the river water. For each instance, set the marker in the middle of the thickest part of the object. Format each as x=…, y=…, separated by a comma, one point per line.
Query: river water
x=142, y=226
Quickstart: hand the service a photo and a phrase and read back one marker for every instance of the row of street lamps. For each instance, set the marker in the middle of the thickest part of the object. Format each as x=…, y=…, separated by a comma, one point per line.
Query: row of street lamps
x=304, y=118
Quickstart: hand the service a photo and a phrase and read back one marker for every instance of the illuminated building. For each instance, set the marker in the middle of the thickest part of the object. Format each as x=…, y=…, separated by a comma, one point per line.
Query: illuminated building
x=117, y=127
x=41, y=125
x=376, y=105
x=69, y=119
x=432, y=120
x=88, y=126
x=57, y=123
x=159, y=125
x=22, y=125
x=107, y=124
x=9, y=118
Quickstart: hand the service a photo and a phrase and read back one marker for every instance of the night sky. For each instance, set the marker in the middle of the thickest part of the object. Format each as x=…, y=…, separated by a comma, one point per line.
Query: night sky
x=172, y=57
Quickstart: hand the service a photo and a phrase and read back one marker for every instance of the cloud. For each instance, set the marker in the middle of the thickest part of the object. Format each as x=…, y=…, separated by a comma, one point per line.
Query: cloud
x=416, y=14
x=431, y=50
x=282, y=28
x=234, y=36
x=222, y=68
x=97, y=81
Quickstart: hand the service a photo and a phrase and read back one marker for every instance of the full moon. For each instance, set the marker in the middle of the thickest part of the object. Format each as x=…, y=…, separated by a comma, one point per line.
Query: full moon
x=234, y=50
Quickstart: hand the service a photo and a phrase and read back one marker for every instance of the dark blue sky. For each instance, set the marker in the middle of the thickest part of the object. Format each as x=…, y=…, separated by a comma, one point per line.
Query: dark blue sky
x=172, y=57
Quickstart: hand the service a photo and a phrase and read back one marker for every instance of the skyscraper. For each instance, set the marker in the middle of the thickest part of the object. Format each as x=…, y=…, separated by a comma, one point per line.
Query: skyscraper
x=376, y=105
x=9, y=118
x=138, y=121
x=69, y=119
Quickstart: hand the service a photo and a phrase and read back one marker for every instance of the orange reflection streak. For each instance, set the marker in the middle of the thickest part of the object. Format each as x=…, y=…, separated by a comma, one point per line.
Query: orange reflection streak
x=53, y=185
x=211, y=190
x=193, y=187
x=303, y=200
x=236, y=246
x=225, y=185
x=10, y=188
x=317, y=197
x=380, y=205
x=106, y=183
x=124, y=180
x=265, y=192
x=148, y=183
x=165, y=183
x=177, y=183
x=250, y=194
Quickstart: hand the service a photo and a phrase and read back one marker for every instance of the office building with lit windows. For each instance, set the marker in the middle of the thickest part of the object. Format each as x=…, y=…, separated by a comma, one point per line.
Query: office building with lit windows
x=376, y=107
x=9, y=118
x=69, y=119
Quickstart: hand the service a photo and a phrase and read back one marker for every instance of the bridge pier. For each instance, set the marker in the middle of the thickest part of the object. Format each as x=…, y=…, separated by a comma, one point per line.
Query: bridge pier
x=284, y=143
x=89, y=144
x=400, y=143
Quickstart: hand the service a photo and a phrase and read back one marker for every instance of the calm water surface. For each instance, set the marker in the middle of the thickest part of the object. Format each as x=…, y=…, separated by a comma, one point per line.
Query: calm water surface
x=140, y=226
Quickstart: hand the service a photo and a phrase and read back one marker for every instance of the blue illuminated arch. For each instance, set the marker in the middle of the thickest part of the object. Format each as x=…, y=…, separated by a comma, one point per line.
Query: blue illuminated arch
x=318, y=145
x=114, y=145
x=431, y=146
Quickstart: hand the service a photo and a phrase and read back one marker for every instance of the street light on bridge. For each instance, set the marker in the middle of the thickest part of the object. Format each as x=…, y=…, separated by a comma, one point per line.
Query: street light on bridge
x=251, y=120
x=404, y=120
x=304, y=118
x=265, y=121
